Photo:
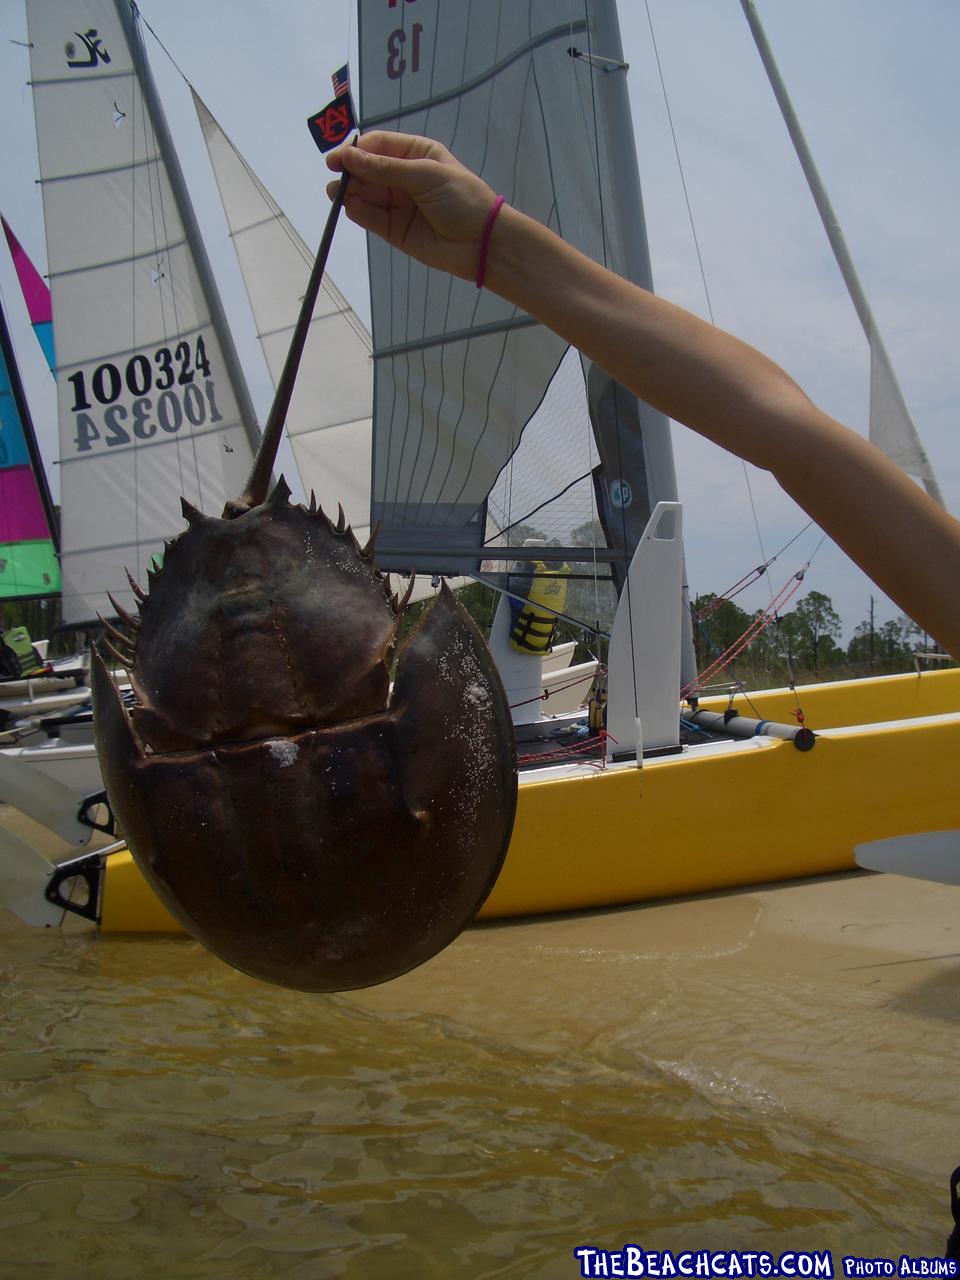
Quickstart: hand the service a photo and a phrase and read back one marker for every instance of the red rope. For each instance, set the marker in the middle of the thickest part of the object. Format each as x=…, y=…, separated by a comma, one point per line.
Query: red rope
x=562, y=753
x=747, y=580
x=758, y=624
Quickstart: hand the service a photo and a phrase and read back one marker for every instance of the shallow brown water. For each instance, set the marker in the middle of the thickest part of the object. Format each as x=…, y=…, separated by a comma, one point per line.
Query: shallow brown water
x=709, y=1074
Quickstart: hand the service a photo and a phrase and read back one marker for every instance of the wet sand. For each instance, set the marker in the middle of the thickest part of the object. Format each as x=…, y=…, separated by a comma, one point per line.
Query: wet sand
x=773, y=1067
x=834, y=1000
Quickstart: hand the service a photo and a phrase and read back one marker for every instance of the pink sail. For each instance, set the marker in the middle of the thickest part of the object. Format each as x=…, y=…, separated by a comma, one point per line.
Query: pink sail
x=21, y=511
x=35, y=294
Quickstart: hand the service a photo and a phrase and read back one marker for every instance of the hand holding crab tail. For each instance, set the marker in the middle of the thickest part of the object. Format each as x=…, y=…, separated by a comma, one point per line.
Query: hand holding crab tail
x=415, y=195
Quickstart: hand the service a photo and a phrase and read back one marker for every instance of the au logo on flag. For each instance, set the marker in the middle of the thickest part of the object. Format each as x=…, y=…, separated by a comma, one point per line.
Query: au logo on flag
x=333, y=124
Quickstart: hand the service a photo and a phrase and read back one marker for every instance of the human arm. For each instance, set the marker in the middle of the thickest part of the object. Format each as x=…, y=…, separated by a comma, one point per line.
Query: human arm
x=417, y=196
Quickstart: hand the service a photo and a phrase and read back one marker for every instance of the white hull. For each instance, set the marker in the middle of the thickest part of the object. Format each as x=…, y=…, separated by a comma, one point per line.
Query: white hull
x=75, y=766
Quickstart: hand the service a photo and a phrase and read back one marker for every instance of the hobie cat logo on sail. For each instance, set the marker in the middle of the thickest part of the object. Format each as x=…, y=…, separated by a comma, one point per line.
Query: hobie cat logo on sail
x=93, y=47
x=621, y=494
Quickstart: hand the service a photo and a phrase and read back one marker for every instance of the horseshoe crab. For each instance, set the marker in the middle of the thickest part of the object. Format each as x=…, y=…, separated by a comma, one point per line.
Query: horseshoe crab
x=307, y=825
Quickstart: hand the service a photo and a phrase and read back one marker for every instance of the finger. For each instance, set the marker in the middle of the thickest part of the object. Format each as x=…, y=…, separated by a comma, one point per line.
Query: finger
x=402, y=146
x=370, y=217
x=333, y=160
x=382, y=196
x=411, y=176
x=410, y=171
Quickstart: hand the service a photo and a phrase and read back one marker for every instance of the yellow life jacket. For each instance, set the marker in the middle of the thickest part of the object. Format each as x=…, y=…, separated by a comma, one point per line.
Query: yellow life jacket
x=17, y=639
x=532, y=628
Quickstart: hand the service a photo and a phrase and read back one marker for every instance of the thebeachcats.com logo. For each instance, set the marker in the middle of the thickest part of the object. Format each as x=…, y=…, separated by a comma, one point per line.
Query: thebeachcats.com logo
x=731, y=1264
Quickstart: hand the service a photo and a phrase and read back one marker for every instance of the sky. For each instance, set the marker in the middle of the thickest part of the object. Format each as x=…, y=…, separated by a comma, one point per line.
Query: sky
x=875, y=89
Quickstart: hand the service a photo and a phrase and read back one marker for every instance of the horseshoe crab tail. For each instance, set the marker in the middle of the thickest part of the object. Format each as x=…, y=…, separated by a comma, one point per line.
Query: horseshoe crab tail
x=259, y=482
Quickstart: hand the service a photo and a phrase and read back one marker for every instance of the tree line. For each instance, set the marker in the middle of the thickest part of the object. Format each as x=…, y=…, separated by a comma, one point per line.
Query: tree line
x=806, y=641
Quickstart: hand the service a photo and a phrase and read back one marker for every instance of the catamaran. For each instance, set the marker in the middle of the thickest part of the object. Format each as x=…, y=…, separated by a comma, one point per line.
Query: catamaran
x=489, y=451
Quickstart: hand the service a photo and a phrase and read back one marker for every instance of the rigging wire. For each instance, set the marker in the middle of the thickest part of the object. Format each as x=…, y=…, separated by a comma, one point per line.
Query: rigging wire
x=696, y=242
x=748, y=579
x=152, y=148
x=762, y=570
x=288, y=231
x=577, y=109
x=136, y=98
x=758, y=623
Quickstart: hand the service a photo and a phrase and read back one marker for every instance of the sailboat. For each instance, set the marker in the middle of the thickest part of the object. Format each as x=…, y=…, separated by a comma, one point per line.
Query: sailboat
x=47, y=714
x=470, y=400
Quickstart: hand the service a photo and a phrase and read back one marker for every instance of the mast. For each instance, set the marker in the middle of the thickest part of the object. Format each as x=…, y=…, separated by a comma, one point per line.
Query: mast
x=623, y=200
x=127, y=11
x=896, y=435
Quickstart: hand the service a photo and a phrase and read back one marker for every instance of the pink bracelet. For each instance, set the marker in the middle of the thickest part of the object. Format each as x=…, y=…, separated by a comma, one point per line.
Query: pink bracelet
x=485, y=240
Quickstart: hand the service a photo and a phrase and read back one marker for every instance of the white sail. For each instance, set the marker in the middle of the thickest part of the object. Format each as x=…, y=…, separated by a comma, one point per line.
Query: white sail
x=892, y=428
x=330, y=414
x=533, y=98
x=149, y=407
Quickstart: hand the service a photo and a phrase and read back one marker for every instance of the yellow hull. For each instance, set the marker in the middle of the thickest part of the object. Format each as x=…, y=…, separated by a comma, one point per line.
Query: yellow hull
x=714, y=817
